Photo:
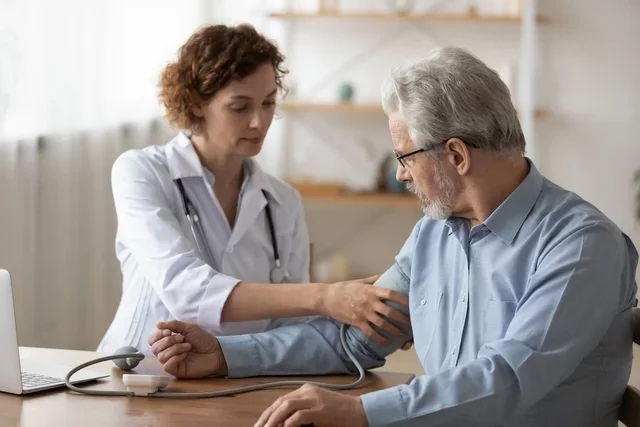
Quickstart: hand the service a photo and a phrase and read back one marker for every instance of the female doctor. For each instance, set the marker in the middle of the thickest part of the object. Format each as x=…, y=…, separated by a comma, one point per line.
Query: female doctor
x=204, y=235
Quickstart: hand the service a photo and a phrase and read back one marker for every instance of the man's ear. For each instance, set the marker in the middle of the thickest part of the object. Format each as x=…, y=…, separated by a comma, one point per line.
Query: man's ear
x=458, y=155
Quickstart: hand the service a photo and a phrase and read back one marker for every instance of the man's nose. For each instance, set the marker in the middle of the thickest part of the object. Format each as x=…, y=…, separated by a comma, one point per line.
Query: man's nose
x=402, y=174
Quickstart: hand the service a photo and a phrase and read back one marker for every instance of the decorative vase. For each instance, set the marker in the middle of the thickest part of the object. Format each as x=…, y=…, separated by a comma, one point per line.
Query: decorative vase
x=345, y=92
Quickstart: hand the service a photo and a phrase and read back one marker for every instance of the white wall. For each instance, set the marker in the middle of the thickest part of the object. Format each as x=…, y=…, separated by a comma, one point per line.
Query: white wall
x=587, y=79
x=589, y=71
x=70, y=65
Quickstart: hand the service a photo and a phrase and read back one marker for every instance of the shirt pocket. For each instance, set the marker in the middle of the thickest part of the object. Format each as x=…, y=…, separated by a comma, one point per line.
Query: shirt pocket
x=497, y=317
x=425, y=309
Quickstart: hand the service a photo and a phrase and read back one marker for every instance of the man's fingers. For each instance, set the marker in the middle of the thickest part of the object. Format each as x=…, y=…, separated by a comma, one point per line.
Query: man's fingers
x=171, y=366
x=302, y=417
x=174, y=350
x=392, y=314
x=173, y=325
x=267, y=412
x=165, y=343
x=158, y=334
x=285, y=410
x=388, y=294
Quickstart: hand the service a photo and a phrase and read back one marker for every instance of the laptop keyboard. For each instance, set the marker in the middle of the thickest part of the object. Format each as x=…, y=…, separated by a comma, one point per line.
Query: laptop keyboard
x=37, y=380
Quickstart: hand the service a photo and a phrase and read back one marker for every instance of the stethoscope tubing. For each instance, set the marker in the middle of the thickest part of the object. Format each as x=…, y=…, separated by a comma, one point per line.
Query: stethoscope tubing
x=196, y=229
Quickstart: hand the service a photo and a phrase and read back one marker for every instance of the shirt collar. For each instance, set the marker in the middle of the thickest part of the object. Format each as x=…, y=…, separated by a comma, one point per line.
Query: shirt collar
x=507, y=219
x=183, y=162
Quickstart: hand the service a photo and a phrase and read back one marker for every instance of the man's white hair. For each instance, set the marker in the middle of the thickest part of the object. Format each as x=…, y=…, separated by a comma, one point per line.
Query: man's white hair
x=450, y=94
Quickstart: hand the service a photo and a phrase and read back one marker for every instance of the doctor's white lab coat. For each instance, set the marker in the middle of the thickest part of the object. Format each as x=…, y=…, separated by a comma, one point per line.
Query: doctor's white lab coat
x=164, y=276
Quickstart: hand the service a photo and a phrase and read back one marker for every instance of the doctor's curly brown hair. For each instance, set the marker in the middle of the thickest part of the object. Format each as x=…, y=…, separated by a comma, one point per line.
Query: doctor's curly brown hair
x=213, y=57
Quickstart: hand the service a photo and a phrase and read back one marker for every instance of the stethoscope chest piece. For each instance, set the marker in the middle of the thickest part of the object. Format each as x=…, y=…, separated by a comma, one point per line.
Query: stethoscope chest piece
x=278, y=275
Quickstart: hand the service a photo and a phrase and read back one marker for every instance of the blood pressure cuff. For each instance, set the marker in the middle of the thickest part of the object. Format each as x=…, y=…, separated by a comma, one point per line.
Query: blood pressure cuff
x=396, y=280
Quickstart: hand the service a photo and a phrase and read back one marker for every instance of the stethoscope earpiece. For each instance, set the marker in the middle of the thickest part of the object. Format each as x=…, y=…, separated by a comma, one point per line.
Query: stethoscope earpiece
x=127, y=363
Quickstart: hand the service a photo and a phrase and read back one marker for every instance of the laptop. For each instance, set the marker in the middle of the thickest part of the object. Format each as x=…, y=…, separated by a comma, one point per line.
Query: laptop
x=23, y=376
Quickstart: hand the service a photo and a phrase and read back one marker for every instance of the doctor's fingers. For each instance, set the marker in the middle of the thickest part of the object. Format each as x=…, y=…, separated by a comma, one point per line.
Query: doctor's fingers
x=388, y=294
x=158, y=334
x=391, y=313
x=368, y=330
x=370, y=280
x=385, y=325
x=166, y=342
x=174, y=350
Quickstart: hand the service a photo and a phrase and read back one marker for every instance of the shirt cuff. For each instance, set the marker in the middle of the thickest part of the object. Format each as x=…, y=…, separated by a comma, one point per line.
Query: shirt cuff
x=213, y=300
x=384, y=407
x=241, y=355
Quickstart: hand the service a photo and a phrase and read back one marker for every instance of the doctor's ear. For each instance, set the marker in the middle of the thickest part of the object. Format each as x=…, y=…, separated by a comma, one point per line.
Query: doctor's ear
x=197, y=111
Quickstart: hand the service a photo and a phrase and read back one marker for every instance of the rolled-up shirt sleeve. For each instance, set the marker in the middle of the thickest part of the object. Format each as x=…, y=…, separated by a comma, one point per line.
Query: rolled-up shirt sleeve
x=571, y=301
x=312, y=348
x=191, y=289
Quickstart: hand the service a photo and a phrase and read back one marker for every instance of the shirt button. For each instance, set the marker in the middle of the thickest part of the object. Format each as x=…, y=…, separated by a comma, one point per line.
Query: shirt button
x=423, y=302
x=464, y=299
x=230, y=250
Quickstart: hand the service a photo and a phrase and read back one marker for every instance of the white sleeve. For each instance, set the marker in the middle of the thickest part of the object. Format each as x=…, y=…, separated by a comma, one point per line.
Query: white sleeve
x=147, y=226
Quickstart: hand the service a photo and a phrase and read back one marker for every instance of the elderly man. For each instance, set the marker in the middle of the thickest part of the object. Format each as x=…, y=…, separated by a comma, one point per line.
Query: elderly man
x=520, y=291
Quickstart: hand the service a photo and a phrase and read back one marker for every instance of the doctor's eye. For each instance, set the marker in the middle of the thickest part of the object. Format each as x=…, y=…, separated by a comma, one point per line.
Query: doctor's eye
x=269, y=104
x=239, y=108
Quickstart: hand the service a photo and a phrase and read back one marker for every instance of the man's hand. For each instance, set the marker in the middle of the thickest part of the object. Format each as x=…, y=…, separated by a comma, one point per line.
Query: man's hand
x=187, y=351
x=358, y=303
x=313, y=405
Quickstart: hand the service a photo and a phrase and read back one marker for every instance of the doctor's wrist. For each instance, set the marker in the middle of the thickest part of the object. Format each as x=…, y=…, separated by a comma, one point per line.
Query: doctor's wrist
x=318, y=299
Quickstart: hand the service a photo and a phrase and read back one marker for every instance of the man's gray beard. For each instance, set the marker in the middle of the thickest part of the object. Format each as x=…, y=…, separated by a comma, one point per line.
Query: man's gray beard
x=440, y=208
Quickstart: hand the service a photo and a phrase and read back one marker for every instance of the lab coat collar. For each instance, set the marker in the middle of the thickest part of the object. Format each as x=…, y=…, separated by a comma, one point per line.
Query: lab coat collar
x=183, y=162
x=182, y=159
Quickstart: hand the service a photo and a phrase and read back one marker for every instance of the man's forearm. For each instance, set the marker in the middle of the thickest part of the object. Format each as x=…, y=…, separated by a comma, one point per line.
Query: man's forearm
x=312, y=348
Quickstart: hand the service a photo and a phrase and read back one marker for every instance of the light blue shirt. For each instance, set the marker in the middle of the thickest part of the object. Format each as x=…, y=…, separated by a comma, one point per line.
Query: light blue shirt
x=523, y=320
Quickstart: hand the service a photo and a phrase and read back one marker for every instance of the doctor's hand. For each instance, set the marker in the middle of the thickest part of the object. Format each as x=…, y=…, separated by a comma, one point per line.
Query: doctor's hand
x=187, y=351
x=311, y=405
x=360, y=304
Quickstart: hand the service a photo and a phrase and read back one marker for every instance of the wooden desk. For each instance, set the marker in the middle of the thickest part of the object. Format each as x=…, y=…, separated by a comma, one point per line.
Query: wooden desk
x=60, y=407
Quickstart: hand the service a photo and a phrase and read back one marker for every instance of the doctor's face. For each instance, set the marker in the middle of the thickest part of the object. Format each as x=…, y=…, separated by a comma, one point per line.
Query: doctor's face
x=239, y=115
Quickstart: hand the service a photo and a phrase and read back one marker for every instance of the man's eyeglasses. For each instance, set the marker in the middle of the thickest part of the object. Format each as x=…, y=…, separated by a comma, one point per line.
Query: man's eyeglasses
x=401, y=157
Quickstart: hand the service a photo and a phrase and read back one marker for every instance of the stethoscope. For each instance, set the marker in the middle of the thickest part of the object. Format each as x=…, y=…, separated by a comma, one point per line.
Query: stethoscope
x=278, y=273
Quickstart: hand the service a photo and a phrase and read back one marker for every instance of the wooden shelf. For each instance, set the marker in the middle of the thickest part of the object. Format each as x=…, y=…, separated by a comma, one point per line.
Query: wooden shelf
x=338, y=194
x=332, y=107
x=409, y=17
x=382, y=199
x=321, y=107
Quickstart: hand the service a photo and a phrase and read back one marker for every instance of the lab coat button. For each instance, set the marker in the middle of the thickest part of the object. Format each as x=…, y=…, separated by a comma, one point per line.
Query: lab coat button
x=423, y=302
